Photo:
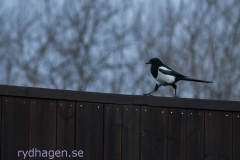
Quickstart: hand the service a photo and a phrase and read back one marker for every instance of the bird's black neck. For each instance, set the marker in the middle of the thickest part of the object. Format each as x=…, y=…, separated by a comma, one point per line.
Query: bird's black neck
x=154, y=71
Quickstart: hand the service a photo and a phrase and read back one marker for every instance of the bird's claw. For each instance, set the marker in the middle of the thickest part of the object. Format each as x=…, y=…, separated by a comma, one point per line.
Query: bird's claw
x=147, y=94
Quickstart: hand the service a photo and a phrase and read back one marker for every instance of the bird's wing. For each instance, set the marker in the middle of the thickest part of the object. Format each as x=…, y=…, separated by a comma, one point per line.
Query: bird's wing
x=168, y=71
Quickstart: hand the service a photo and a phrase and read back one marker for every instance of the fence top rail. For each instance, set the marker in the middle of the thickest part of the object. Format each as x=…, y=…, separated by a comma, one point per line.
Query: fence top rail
x=6, y=90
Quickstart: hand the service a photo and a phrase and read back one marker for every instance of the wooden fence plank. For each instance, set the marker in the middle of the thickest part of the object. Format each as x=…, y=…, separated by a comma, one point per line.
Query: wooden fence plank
x=236, y=136
x=42, y=127
x=146, y=146
x=131, y=132
x=15, y=116
x=66, y=127
x=153, y=133
x=119, y=99
x=115, y=131
x=218, y=135
x=112, y=131
x=0, y=126
x=89, y=130
x=195, y=134
x=177, y=134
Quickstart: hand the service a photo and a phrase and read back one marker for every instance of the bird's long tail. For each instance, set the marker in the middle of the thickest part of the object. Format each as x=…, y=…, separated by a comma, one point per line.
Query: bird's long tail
x=194, y=80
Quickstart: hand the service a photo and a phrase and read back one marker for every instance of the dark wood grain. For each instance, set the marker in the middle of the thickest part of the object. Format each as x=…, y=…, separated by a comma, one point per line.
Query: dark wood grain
x=66, y=127
x=131, y=133
x=112, y=132
x=119, y=98
x=177, y=134
x=14, y=127
x=195, y=135
x=42, y=126
x=0, y=126
x=218, y=135
x=89, y=130
x=173, y=102
x=154, y=131
x=65, y=94
x=110, y=127
x=146, y=151
x=236, y=136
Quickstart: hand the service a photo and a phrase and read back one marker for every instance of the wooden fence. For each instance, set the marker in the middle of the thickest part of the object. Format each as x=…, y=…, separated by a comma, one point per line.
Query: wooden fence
x=60, y=124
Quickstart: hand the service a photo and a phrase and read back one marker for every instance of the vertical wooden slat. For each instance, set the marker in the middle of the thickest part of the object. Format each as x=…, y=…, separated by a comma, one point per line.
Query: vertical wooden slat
x=177, y=134
x=112, y=131
x=89, y=130
x=15, y=116
x=146, y=146
x=195, y=134
x=154, y=128
x=66, y=127
x=218, y=135
x=0, y=126
x=130, y=132
x=42, y=127
x=236, y=135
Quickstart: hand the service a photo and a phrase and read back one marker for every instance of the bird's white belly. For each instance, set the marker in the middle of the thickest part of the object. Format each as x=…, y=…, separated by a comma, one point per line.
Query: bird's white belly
x=163, y=79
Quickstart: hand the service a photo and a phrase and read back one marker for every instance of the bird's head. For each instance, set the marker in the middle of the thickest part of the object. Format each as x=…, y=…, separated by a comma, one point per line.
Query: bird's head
x=155, y=62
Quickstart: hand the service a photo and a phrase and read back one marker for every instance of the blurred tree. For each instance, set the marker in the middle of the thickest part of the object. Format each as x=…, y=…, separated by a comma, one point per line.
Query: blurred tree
x=99, y=45
x=68, y=44
x=199, y=39
x=16, y=25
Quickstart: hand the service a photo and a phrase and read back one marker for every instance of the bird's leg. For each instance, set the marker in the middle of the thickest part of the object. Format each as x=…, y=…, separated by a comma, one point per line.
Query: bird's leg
x=175, y=89
x=175, y=92
x=148, y=94
x=155, y=89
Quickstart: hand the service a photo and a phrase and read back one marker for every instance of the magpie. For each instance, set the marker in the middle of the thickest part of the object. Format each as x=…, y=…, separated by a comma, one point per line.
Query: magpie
x=165, y=76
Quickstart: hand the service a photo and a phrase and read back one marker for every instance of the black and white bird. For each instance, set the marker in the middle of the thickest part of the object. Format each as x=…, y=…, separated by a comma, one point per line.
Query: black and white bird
x=165, y=76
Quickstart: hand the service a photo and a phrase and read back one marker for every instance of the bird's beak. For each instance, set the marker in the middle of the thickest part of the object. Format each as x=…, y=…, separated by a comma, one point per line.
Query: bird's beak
x=148, y=62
